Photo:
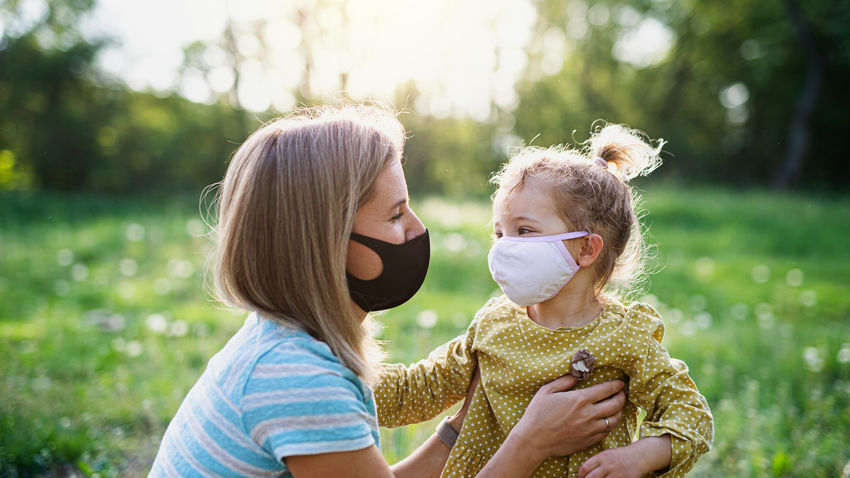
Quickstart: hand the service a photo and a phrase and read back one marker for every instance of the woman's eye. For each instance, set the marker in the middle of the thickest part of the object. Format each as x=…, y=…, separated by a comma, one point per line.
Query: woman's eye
x=397, y=216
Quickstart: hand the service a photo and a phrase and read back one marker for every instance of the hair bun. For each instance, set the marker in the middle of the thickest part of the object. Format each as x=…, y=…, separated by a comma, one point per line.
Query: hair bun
x=627, y=153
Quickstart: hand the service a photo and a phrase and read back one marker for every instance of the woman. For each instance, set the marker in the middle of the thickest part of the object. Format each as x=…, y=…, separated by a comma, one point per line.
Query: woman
x=315, y=231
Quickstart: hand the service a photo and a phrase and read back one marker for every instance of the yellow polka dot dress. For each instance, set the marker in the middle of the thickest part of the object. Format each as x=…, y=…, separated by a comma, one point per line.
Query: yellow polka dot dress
x=517, y=356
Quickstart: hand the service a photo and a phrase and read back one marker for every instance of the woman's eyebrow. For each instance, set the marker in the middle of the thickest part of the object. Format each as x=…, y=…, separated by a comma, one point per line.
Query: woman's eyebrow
x=398, y=204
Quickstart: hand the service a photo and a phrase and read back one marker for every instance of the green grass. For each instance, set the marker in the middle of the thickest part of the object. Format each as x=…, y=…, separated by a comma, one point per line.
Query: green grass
x=105, y=323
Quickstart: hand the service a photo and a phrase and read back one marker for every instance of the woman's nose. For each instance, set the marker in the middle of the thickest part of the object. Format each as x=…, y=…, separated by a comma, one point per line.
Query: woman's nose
x=415, y=228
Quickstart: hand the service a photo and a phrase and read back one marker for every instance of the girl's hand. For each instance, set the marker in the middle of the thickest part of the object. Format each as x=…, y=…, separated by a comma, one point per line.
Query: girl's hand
x=612, y=463
x=641, y=457
x=560, y=421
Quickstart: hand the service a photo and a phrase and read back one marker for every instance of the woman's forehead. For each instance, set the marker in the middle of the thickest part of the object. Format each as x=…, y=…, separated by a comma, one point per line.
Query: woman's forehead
x=390, y=188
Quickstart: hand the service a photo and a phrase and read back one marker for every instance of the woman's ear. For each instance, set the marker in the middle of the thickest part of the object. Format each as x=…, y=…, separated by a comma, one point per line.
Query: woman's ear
x=590, y=250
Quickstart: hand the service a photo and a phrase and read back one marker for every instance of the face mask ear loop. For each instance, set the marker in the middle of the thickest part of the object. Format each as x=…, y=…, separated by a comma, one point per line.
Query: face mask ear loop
x=562, y=248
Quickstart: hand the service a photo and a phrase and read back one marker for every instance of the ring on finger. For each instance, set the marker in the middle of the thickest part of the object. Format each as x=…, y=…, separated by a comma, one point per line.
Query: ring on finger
x=607, y=424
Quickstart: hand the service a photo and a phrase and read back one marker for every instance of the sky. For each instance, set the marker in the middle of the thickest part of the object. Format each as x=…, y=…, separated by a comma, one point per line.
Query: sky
x=463, y=55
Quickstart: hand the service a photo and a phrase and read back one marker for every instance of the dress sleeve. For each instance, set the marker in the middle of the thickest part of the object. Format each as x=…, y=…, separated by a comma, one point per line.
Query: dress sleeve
x=661, y=386
x=420, y=392
x=305, y=409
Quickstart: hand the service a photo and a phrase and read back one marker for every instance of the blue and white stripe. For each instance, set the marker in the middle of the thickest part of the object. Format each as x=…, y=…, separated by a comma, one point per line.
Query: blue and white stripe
x=271, y=392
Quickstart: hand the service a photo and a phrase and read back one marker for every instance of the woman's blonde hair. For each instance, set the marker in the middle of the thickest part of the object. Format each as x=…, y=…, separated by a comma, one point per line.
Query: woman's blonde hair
x=286, y=208
x=590, y=188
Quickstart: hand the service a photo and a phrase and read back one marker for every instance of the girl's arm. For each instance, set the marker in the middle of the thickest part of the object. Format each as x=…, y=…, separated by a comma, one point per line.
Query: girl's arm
x=420, y=392
x=638, y=459
x=678, y=427
x=558, y=421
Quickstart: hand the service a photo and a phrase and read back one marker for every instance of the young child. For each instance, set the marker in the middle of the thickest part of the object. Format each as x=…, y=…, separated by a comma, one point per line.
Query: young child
x=565, y=227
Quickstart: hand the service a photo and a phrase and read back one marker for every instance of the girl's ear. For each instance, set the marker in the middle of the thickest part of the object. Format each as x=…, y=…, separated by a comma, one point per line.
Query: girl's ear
x=590, y=250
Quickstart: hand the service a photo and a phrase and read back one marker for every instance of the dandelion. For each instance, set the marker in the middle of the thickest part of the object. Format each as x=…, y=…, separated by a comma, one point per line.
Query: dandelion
x=809, y=298
x=703, y=320
x=64, y=257
x=812, y=358
x=178, y=328
x=427, y=318
x=114, y=323
x=794, y=278
x=454, y=242
x=134, y=348
x=844, y=353
x=119, y=344
x=156, y=323
x=705, y=266
x=674, y=316
x=126, y=290
x=128, y=267
x=79, y=272
x=180, y=268
x=162, y=286
x=202, y=330
x=195, y=227
x=760, y=273
x=764, y=313
x=134, y=232
x=740, y=310
x=697, y=302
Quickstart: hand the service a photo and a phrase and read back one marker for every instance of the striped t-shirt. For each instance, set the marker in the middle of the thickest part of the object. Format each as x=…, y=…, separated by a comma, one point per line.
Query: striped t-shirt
x=271, y=392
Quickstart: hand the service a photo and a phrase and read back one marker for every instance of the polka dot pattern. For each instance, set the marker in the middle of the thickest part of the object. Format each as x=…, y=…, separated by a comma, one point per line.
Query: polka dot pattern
x=517, y=356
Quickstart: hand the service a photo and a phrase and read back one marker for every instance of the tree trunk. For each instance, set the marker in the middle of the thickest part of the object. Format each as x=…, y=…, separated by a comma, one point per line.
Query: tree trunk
x=798, y=133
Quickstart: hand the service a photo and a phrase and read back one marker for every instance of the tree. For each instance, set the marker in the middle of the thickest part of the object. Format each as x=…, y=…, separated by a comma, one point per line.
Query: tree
x=731, y=95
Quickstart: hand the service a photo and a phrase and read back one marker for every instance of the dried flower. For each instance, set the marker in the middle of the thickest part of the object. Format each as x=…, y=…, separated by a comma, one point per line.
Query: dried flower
x=582, y=364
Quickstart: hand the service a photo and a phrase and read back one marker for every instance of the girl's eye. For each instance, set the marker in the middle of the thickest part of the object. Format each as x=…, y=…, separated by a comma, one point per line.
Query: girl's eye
x=524, y=230
x=497, y=234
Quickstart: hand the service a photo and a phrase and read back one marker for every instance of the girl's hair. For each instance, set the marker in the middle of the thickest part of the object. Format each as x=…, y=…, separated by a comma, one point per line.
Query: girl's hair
x=592, y=194
x=286, y=208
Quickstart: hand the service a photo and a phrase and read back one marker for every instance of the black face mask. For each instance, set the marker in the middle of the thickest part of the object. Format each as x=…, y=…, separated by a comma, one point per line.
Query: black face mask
x=405, y=266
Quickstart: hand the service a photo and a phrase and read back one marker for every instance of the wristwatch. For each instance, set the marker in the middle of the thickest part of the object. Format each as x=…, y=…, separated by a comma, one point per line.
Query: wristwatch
x=447, y=433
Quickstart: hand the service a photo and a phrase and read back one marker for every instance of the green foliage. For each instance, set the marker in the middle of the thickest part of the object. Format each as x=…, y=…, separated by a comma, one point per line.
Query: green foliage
x=717, y=44
x=65, y=127
x=105, y=323
x=72, y=134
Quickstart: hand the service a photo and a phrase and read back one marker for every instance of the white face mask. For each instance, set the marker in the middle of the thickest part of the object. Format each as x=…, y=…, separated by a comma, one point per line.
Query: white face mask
x=531, y=270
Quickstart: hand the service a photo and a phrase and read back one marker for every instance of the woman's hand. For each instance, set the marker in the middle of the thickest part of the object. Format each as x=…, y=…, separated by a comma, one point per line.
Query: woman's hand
x=560, y=421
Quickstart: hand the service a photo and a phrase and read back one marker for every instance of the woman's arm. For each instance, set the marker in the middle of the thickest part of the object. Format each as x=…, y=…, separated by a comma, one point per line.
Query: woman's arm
x=557, y=422
x=425, y=462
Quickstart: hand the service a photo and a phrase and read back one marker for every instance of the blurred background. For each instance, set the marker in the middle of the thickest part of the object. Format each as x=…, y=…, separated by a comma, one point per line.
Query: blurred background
x=115, y=114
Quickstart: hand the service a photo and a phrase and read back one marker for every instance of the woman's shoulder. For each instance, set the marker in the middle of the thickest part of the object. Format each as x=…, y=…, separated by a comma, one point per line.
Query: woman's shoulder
x=267, y=354
x=288, y=352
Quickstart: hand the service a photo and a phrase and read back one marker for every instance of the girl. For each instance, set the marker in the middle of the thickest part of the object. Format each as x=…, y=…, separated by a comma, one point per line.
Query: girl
x=565, y=227
x=314, y=231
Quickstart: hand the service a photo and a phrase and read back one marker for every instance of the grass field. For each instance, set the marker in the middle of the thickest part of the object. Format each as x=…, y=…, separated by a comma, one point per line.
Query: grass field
x=105, y=323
